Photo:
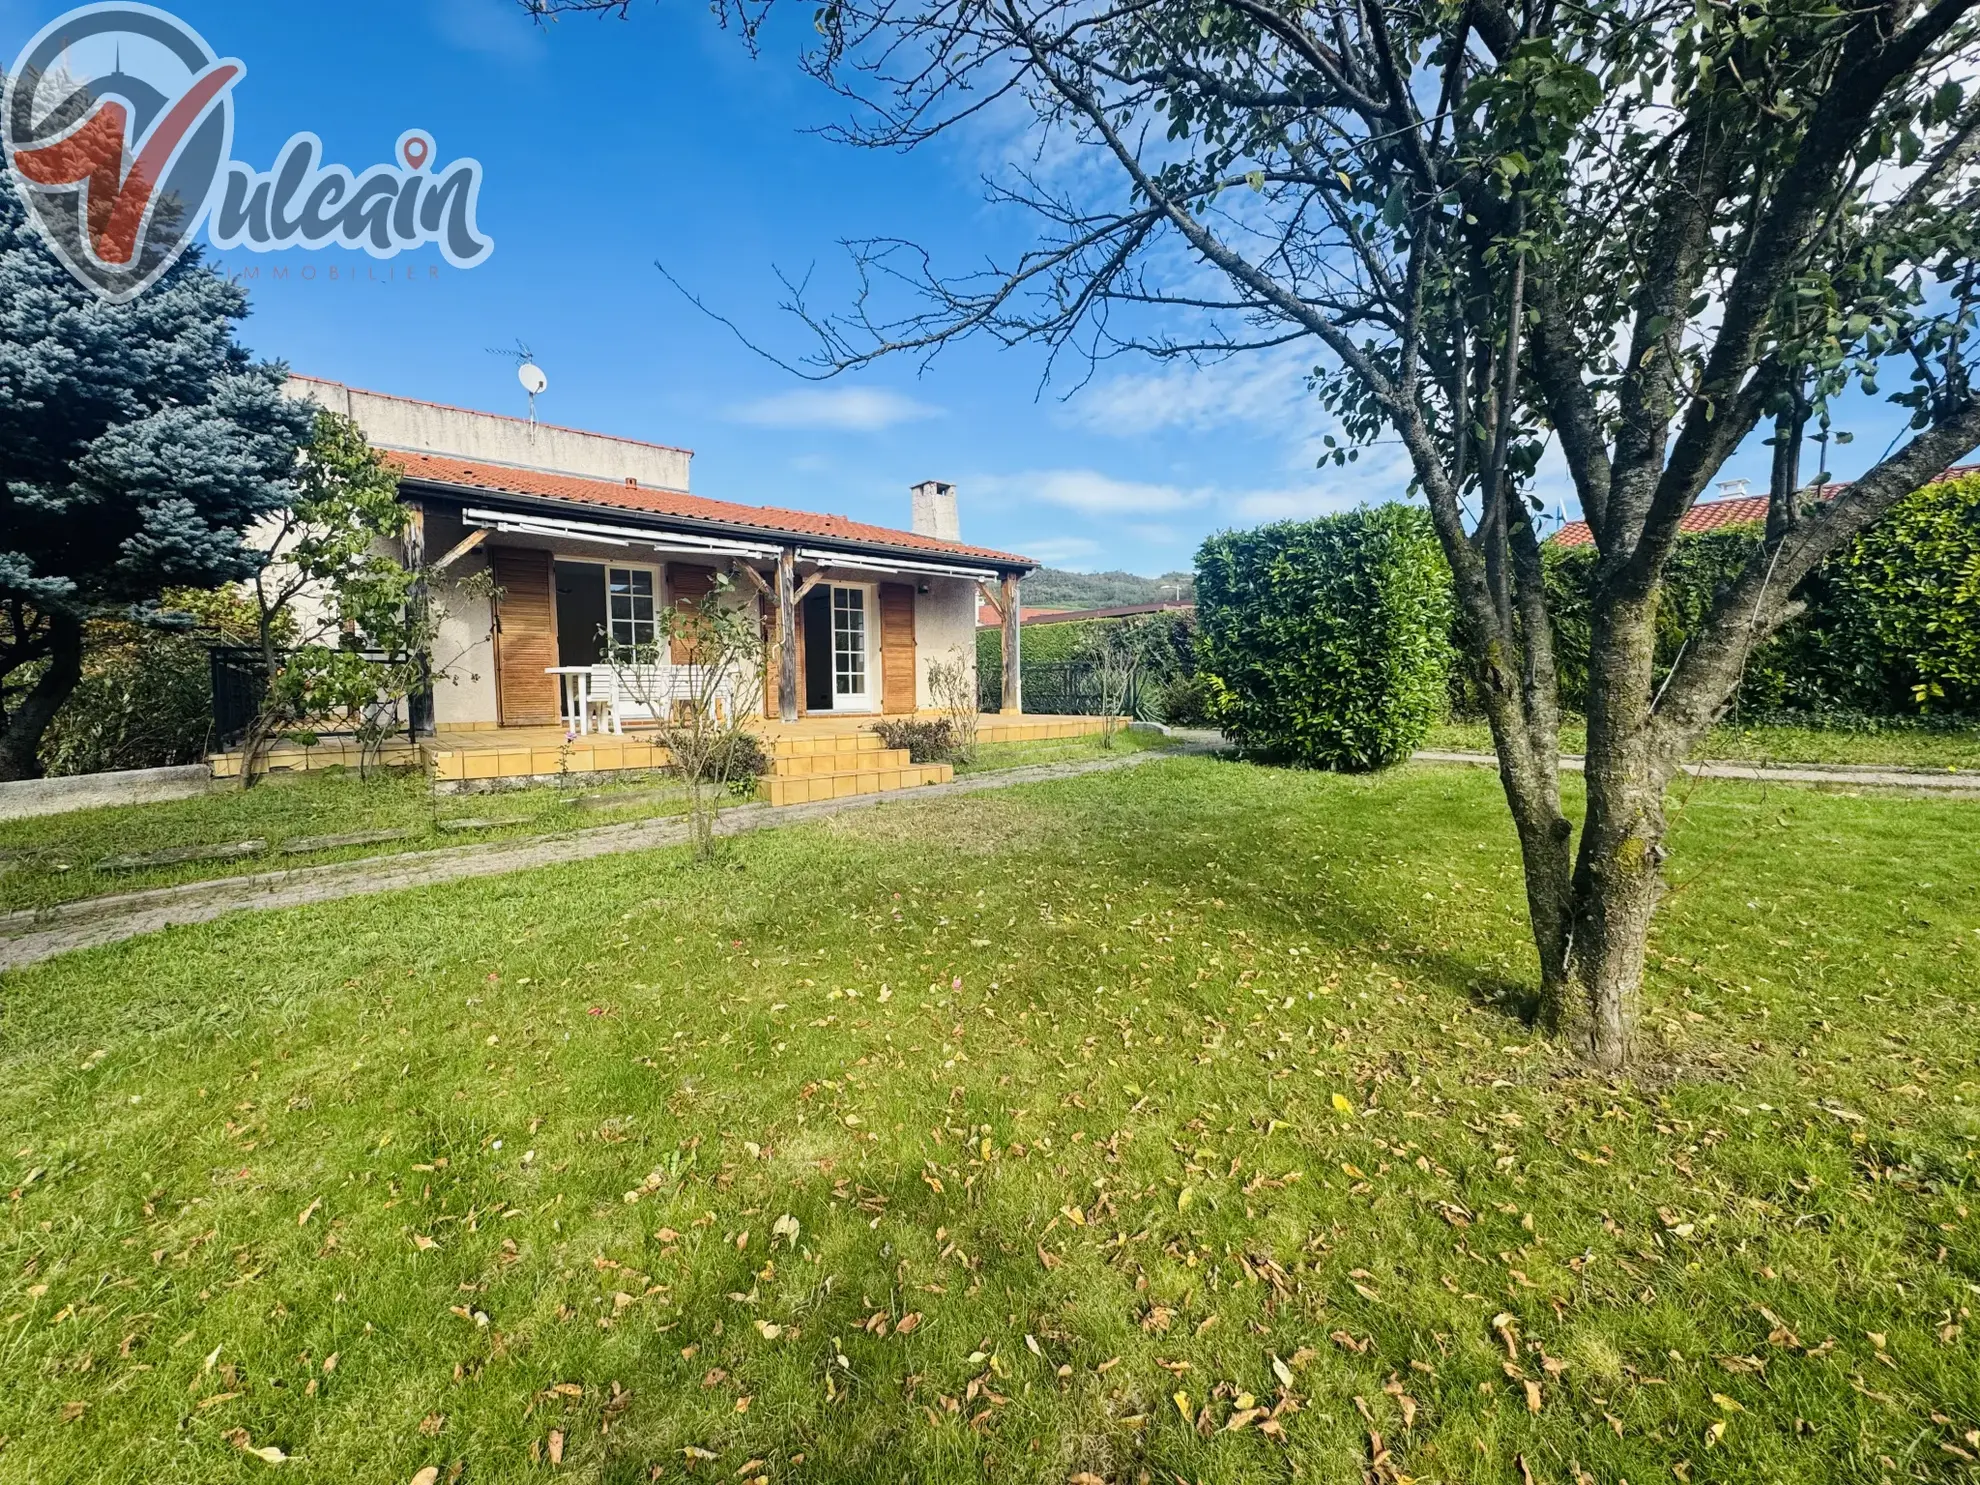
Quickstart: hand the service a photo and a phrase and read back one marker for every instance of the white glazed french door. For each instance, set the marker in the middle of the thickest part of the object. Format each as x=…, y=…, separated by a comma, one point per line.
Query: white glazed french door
x=852, y=669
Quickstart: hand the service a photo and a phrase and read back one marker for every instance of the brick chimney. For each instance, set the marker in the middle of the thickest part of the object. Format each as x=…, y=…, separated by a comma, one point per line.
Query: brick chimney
x=935, y=511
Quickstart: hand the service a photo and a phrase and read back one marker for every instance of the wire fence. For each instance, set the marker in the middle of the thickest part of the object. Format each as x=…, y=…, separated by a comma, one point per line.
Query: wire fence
x=240, y=686
x=1060, y=688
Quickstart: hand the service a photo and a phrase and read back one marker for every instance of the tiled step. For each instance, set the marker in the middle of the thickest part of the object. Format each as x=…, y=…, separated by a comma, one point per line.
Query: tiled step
x=808, y=788
x=885, y=759
x=335, y=752
x=1034, y=729
x=592, y=753
x=800, y=746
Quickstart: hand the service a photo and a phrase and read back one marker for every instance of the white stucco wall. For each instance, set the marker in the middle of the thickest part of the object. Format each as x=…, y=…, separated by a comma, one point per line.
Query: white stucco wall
x=463, y=649
x=944, y=623
x=429, y=428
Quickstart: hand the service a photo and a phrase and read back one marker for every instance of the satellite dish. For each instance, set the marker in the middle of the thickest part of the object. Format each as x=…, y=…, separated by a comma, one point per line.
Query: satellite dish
x=533, y=381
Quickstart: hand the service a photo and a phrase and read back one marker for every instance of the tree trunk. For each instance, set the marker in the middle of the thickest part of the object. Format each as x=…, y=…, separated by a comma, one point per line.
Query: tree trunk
x=1618, y=873
x=20, y=741
x=1529, y=770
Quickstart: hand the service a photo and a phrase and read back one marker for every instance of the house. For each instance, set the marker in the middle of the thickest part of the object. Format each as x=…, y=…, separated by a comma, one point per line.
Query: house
x=588, y=536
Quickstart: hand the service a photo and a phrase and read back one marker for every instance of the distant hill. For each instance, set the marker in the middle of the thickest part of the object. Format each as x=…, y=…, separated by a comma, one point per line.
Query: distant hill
x=1052, y=587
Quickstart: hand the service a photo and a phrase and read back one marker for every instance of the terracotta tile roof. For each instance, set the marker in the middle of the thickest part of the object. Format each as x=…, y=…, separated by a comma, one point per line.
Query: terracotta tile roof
x=504, y=479
x=1712, y=515
x=988, y=617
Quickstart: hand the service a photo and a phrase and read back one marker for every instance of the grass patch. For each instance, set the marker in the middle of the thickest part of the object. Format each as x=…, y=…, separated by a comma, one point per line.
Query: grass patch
x=1898, y=748
x=53, y=858
x=991, y=757
x=1185, y=1091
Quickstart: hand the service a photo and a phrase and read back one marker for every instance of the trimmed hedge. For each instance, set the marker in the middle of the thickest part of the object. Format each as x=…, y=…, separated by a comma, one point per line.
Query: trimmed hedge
x=1327, y=642
x=1892, y=626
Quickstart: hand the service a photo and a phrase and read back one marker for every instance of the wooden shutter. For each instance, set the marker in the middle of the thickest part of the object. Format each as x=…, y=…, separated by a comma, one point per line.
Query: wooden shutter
x=525, y=637
x=686, y=587
x=897, y=680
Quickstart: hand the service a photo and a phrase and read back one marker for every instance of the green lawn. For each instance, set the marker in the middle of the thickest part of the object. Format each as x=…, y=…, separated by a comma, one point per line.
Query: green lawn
x=994, y=757
x=54, y=858
x=1958, y=749
x=1020, y=1137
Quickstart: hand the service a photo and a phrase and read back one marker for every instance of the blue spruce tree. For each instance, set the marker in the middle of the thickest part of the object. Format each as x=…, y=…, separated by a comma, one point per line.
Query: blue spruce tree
x=138, y=443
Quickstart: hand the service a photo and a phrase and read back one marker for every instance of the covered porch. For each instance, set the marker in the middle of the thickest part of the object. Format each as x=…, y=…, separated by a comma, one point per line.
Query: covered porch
x=846, y=634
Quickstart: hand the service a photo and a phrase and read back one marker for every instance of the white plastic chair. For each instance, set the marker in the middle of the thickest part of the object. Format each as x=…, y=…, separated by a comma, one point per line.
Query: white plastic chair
x=601, y=703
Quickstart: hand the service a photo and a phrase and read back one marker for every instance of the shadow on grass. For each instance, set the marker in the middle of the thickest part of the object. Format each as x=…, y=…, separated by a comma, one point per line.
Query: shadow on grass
x=1355, y=900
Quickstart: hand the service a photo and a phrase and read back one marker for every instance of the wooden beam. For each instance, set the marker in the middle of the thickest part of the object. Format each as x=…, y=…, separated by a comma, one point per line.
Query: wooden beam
x=755, y=577
x=419, y=700
x=809, y=583
x=787, y=656
x=991, y=597
x=1013, y=612
x=460, y=549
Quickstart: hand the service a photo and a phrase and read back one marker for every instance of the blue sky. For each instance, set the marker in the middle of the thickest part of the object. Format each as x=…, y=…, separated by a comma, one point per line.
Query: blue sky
x=609, y=144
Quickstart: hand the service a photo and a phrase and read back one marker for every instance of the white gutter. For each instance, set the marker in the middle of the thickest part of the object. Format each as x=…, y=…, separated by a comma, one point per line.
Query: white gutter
x=618, y=536
x=891, y=564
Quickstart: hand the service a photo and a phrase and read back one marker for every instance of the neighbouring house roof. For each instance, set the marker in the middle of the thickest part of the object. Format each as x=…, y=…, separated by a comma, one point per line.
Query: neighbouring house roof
x=1713, y=515
x=988, y=617
x=447, y=473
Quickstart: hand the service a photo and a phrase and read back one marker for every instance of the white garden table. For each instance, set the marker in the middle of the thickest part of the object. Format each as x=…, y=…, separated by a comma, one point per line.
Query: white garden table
x=578, y=700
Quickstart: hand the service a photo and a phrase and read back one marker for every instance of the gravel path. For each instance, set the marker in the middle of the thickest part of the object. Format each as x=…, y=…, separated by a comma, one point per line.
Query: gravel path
x=30, y=936
x=1857, y=775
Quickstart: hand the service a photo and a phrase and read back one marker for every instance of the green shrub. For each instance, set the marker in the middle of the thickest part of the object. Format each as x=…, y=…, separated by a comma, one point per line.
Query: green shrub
x=749, y=759
x=1907, y=591
x=1891, y=628
x=925, y=742
x=1699, y=567
x=146, y=695
x=1327, y=642
x=145, y=701
x=1184, y=702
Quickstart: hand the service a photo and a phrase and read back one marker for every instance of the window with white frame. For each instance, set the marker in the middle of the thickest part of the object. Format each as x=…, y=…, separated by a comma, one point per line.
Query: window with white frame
x=849, y=641
x=630, y=598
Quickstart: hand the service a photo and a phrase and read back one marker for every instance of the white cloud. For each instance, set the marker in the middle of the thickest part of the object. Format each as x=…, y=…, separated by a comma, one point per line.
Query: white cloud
x=1300, y=505
x=843, y=409
x=1057, y=551
x=493, y=28
x=1266, y=388
x=1091, y=493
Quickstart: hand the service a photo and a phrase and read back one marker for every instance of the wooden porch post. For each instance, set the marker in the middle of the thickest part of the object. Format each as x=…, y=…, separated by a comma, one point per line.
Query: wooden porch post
x=1013, y=669
x=419, y=704
x=787, y=655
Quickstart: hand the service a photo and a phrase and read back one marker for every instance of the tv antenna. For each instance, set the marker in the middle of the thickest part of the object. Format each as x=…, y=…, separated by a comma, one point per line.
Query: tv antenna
x=534, y=382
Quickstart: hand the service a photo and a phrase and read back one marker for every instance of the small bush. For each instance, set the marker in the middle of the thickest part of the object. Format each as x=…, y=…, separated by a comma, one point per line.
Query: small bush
x=925, y=742
x=749, y=760
x=1185, y=702
x=1327, y=642
x=146, y=695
